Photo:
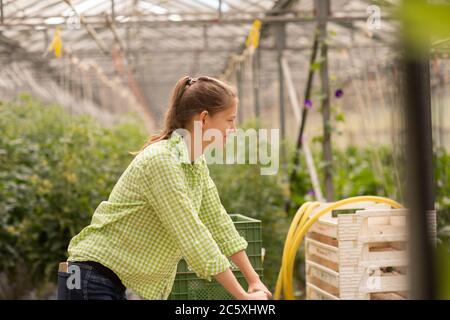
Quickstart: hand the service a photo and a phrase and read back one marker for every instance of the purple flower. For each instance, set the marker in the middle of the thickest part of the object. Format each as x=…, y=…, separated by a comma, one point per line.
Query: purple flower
x=308, y=104
x=311, y=192
x=339, y=93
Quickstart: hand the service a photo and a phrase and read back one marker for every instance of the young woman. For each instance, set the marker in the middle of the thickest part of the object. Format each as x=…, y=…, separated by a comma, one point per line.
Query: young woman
x=163, y=208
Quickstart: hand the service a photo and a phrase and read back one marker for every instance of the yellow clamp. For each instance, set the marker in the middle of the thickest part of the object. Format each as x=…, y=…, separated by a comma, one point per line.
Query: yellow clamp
x=253, y=36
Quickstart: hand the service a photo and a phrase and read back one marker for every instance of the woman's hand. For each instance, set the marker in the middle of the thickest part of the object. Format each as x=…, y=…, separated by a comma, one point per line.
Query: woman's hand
x=257, y=295
x=256, y=289
x=259, y=286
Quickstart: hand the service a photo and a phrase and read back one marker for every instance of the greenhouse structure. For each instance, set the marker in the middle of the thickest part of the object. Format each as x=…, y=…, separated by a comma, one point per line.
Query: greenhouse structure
x=324, y=129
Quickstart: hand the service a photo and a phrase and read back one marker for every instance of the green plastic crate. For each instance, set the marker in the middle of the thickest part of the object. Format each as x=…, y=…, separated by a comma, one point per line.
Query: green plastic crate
x=188, y=286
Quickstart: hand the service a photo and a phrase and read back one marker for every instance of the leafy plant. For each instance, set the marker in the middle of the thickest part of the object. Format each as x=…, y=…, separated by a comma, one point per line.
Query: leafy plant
x=55, y=168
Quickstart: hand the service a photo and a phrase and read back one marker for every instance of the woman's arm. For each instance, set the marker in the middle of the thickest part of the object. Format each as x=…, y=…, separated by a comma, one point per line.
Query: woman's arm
x=240, y=259
x=230, y=283
x=164, y=185
x=219, y=223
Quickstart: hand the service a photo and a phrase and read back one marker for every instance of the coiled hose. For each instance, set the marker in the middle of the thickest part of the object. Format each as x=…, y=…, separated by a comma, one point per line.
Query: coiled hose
x=297, y=230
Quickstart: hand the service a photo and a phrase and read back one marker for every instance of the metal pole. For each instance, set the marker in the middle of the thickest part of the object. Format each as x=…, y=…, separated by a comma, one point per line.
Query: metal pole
x=46, y=40
x=307, y=92
x=113, y=10
x=205, y=37
x=306, y=150
x=323, y=12
x=280, y=44
x=102, y=46
x=97, y=21
x=419, y=163
x=256, y=80
x=240, y=96
x=287, y=205
x=420, y=193
x=1, y=12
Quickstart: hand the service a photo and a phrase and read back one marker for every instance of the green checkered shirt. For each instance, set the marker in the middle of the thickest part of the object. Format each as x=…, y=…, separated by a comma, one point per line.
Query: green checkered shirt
x=163, y=208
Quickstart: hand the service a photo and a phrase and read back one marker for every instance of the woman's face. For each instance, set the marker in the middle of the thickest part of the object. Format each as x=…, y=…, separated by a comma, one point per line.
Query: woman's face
x=224, y=121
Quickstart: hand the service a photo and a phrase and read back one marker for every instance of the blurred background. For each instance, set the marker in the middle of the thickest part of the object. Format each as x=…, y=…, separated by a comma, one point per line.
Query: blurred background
x=83, y=83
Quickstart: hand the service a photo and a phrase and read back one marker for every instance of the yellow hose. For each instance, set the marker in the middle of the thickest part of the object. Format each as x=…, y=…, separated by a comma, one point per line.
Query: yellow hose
x=297, y=230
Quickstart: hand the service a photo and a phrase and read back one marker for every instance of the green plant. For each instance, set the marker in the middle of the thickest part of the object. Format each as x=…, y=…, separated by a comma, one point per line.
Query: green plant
x=55, y=168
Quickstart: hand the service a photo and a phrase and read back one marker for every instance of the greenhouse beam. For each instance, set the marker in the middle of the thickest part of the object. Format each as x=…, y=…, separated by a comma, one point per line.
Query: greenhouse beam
x=256, y=80
x=1, y=12
x=99, y=22
x=280, y=29
x=102, y=46
x=240, y=91
x=323, y=12
x=417, y=111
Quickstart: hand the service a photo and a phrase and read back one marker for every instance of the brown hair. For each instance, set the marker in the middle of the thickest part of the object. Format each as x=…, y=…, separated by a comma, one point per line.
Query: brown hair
x=189, y=97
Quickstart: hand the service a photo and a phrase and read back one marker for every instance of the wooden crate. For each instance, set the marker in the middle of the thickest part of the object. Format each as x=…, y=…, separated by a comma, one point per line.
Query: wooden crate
x=359, y=255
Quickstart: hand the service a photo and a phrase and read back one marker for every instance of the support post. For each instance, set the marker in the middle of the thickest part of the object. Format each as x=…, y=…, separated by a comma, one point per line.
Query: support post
x=113, y=10
x=256, y=81
x=240, y=96
x=323, y=8
x=1, y=12
x=280, y=44
x=420, y=193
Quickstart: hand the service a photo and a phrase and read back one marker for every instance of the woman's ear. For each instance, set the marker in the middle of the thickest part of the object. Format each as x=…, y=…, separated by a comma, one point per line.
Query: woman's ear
x=203, y=116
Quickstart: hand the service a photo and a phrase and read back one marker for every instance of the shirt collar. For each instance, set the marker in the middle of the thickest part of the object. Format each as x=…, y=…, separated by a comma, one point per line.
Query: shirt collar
x=178, y=142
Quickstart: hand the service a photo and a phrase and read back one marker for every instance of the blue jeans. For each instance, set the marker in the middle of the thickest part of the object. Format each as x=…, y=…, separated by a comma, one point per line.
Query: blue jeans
x=92, y=286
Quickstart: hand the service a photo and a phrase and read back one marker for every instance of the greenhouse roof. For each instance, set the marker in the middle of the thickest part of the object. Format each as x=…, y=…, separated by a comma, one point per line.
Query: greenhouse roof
x=163, y=40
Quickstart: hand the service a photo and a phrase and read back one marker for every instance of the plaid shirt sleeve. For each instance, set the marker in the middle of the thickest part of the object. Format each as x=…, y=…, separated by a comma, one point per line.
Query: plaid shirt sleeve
x=164, y=185
x=216, y=218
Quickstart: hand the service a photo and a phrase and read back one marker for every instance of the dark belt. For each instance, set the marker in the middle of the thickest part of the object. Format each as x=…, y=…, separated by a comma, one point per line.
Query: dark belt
x=105, y=271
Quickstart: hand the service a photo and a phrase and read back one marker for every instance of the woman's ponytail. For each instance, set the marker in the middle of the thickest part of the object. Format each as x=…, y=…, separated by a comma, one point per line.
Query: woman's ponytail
x=170, y=119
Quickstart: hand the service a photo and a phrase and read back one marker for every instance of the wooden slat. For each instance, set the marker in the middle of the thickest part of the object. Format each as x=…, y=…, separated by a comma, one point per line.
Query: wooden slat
x=315, y=293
